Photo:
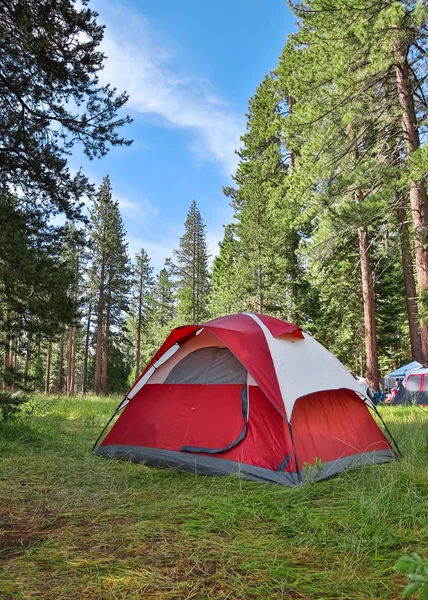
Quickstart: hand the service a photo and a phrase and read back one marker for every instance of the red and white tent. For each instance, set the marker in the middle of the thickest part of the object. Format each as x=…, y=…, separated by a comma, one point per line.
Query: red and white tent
x=246, y=394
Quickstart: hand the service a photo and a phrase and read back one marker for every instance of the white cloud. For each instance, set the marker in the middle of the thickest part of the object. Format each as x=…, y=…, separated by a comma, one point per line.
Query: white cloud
x=142, y=209
x=157, y=251
x=145, y=68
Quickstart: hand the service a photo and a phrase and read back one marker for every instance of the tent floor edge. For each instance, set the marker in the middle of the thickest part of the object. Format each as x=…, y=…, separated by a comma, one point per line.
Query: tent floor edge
x=212, y=466
x=196, y=463
x=354, y=461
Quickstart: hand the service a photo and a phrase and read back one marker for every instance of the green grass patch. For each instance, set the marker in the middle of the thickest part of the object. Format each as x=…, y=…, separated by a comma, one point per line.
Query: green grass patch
x=73, y=525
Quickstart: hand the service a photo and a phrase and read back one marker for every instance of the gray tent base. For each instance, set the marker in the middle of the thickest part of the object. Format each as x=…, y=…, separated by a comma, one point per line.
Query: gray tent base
x=207, y=465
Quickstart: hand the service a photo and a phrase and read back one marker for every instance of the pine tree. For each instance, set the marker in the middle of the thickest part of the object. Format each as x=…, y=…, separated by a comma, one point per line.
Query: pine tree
x=50, y=62
x=191, y=270
x=268, y=276
x=109, y=275
x=35, y=279
x=360, y=79
x=164, y=301
x=158, y=319
x=74, y=254
x=337, y=141
x=225, y=292
x=142, y=289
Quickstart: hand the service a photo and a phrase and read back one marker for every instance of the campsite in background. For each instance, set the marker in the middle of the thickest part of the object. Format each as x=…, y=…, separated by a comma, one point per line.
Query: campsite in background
x=213, y=263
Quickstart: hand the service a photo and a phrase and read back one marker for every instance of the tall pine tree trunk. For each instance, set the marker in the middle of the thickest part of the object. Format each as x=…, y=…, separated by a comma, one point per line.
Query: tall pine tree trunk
x=106, y=341
x=294, y=313
x=6, y=345
x=48, y=368
x=16, y=352
x=293, y=289
x=194, y=300
x=61, y=365
x=409, y=282
x=86, y=354
x=98, y=355
x=12, y=358
x=418, y=194
x=372, y=368
x=99, y=344
x=372, y=362
x=69, y=382
x=71, y=361
x=138, y=350
x=27, y=360
x=260, y=287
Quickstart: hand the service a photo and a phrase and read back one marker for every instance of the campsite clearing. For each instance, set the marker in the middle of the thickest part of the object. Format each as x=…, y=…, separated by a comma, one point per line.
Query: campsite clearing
x=73, y=525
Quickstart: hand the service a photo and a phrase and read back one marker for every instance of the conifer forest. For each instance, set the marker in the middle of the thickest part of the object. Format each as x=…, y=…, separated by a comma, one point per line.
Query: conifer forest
x=330, y=205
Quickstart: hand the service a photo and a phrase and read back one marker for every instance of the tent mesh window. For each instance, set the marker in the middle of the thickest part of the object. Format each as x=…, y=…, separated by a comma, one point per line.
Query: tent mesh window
x=413, y=383
x=208, y=366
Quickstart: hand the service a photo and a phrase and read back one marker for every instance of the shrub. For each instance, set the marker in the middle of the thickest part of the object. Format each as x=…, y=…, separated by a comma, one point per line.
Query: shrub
x=11, y=404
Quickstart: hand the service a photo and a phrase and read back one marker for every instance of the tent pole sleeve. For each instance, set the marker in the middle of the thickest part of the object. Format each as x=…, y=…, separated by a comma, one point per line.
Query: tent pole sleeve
x=108, y=423
x=387, y=430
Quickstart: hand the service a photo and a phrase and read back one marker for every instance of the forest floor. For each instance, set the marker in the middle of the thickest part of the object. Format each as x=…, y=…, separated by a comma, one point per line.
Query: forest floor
x=76, y=526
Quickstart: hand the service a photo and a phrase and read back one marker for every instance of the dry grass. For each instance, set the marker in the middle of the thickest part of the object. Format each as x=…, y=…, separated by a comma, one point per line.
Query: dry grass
x=76, y=526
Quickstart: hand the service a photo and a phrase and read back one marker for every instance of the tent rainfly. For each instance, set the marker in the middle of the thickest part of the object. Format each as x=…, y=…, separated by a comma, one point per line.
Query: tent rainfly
x=246, y=394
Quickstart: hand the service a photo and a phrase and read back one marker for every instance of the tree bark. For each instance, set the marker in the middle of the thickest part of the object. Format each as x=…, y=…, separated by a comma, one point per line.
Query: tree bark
x=409, y=282
x=16, y=352
x=294, y=292
x=12, y=358
x=85, y=357
x=27, y=360
x=98, y=355
x=290, y=102
x=6, y=343
x=260, y=287
x=294, y=313
x=372, y=362
x=138, y=350
x=48, y=368
x=372, y=368
x=71, y=360
x=99, y=345
x=418, y=194
x=106, y=340
x=61, y=365
x=68, y=377
x=194, y=307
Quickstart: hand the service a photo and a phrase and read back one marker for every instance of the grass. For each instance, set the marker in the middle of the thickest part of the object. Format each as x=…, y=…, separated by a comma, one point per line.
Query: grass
x=73, y=525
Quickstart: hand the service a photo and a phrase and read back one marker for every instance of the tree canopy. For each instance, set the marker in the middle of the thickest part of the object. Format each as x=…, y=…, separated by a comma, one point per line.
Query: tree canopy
x=329, y=199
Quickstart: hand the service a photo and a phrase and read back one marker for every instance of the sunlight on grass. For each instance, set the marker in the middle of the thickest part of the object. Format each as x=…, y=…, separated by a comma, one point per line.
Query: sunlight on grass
x=83, y=527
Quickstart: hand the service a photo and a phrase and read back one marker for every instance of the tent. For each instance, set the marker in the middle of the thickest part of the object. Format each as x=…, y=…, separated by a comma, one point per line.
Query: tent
x=414, y=388
x=400, y=373
x=246, y=394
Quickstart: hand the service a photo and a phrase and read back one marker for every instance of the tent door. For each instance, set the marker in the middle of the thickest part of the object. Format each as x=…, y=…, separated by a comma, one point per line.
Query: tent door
x=236, y=441
x=186, y=417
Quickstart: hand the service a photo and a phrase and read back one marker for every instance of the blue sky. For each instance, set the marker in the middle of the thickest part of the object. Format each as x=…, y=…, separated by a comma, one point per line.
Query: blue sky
x=190, y=67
